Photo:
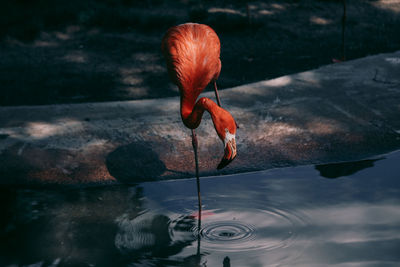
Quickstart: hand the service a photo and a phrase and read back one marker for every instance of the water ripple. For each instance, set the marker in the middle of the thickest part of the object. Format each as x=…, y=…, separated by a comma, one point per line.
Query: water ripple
x=242, y=229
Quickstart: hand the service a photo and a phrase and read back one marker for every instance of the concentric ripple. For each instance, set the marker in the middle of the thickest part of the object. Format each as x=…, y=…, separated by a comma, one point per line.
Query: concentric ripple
x=226, y=231
x=238, y=230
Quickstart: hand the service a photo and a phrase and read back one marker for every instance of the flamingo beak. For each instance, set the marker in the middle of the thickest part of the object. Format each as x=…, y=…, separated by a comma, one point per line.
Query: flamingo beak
x=230, y=153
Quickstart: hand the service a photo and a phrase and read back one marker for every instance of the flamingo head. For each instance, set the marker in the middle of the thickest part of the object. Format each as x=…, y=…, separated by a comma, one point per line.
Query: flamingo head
x=230, y=150
x=225, y=126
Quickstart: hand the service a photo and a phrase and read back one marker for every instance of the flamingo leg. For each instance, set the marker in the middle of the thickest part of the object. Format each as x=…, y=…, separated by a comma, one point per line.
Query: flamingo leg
x=195, y=146
x=216, y=93
x=218, y=100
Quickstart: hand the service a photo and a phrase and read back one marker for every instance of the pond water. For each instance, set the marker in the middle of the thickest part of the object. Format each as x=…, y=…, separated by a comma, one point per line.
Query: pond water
x=335, y=214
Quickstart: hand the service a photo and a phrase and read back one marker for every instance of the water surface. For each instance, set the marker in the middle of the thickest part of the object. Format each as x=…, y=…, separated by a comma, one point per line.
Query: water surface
x=334, y=214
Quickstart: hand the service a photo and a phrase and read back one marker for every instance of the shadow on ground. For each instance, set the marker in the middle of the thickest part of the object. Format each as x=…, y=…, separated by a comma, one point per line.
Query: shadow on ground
x=134, y=163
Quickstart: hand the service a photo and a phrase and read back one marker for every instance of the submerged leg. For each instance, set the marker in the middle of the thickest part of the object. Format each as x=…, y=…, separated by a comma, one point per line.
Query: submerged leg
x=195, y=145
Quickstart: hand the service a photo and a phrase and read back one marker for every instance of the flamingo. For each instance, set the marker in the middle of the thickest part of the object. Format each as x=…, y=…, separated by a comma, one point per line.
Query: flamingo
x=192, y=54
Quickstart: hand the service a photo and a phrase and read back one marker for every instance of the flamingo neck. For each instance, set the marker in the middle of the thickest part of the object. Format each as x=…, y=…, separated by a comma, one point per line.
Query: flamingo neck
x=192, y=113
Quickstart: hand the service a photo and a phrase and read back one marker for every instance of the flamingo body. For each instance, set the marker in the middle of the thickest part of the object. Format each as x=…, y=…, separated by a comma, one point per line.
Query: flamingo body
x=192, y=54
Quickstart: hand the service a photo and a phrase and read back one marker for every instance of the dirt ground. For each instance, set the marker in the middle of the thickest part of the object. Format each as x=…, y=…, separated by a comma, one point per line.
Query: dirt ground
x=87, y=51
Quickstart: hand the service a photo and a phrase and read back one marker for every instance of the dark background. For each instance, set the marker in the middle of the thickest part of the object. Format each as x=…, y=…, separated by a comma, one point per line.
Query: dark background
x=56, y=51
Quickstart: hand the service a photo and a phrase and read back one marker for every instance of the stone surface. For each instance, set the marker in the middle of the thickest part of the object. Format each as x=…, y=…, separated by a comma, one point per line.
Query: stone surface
x=339, y=112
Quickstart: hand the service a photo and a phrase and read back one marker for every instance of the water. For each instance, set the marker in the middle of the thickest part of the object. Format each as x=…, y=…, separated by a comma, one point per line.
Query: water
x=345, y=214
